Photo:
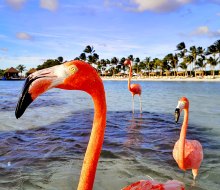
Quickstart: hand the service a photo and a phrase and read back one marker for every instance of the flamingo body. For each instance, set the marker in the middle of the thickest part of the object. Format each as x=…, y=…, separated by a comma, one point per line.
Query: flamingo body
x=154, y=185
x=135, y=89
x=187, y=153
x=193, y=154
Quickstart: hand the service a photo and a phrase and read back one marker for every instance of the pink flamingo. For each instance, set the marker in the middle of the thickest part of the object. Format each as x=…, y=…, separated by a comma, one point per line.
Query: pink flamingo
x=187, y=153
x=133, y=88
x=76, y=75
x=154, y=185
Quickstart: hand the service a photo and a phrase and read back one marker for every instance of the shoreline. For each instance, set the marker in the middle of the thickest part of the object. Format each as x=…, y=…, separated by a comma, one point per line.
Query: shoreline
x=166, y=79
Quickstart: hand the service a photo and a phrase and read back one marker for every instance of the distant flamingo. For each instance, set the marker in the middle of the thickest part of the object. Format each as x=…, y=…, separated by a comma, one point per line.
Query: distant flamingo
x=133, y=88
x=187, y=153
x=78, y=75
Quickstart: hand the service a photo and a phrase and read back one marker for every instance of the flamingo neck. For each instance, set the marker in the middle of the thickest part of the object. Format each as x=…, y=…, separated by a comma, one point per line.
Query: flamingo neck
x=183, y=138
x=94, y=147
x=129, y=79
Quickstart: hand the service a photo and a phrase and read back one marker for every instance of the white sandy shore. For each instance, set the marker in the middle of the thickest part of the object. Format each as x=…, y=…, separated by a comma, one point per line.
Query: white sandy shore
x=185, y=79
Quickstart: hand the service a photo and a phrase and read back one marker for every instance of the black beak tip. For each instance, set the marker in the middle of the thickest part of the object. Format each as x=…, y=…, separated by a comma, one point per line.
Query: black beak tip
x=18, y=114
x=24, y=101
x=177, y=115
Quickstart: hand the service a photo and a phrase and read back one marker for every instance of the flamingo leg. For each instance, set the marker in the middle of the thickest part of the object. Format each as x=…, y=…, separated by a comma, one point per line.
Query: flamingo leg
x=195, y=173
x=133, y=104
x=140, y=104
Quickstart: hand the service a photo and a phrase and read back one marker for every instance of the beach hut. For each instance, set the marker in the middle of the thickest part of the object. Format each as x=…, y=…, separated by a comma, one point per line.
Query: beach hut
x=199, y=73
x=11, y=73
x=32, y=70
x=181, y=73
x=167, y=73
x=152, y=74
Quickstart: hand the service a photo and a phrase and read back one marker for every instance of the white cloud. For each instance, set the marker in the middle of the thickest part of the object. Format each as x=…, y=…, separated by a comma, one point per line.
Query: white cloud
x=50, y=5
x=149, y=5
x=4, y=49
x=205, y=31
x=23, y=36
x=160, y=5
x=17, y=4
x=201, y=30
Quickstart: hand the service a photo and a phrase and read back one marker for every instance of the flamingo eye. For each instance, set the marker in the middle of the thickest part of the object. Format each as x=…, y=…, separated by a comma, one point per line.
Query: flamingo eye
x=72, y=69
x=181, y=105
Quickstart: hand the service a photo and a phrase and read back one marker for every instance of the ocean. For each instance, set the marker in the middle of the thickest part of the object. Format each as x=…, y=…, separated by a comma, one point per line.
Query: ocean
x=44, y=149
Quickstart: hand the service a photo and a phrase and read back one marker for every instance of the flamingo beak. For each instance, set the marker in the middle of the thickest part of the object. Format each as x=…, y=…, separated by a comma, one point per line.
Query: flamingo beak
x=177, y=114
x=36, y=84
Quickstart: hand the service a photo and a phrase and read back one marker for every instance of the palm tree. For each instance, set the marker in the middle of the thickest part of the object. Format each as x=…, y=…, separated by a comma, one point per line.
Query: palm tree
x=217, y=46
x=92, y=57
x=188, y=60
x=82, y=56
x=147, y=64
x=183, y=66
x=114, y=61
x=89, y=49
x=194, y=53
x=131, y=57
x=211, y=50
x=95, y=57
x=60, y=59
x=173, y=61
x=137, y=61
x=159, y=64
x=182, y=48
x=20, y=68
x=213, y=62
x=200, y=62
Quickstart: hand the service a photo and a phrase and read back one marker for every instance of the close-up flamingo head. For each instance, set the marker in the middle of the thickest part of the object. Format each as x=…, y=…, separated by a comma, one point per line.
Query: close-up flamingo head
x=72, y=75
x=127, y=62
x=183, y=103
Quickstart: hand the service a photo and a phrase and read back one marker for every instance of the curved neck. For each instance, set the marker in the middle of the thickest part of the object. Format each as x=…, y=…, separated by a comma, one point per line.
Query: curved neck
x=94, y=147
x=183, y=138
x=129, y=79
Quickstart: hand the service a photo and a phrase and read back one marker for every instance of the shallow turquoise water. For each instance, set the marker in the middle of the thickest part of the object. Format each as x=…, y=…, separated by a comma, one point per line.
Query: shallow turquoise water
x=44, y=149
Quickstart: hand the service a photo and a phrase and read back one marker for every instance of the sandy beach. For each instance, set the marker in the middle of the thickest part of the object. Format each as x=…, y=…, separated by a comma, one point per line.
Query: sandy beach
x=164, y=78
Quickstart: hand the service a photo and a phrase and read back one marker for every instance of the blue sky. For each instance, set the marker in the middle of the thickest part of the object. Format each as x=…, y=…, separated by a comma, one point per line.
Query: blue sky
x=32, y=31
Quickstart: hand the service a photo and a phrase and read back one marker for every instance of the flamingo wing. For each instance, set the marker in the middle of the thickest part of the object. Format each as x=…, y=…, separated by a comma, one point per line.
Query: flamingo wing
x=153, y=185
x=135, y=89
x=193, y=154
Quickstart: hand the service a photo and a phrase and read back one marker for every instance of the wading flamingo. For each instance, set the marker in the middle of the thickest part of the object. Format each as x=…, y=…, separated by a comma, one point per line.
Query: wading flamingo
x=75, y=75
x=133, y=88
x=187, y=153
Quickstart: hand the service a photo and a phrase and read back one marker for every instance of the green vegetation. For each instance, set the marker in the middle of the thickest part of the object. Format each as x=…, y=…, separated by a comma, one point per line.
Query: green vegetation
x=187, y=60
x=50, y=63
x=21, y=68
x=1, y=72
